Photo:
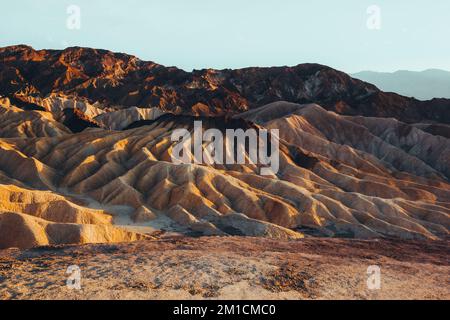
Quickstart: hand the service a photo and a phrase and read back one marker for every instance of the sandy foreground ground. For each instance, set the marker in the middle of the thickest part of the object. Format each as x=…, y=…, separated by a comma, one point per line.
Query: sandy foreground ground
x=230, y=268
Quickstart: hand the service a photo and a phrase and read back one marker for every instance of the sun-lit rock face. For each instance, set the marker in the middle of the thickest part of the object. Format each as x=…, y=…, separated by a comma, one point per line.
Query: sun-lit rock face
x=31, y=218
x=116, y=79
x=16, y=122
x=85, y=153
x=24, y=231
x=339, y=176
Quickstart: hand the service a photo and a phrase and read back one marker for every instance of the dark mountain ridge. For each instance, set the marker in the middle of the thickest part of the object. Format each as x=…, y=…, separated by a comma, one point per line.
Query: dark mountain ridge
x=121, y=79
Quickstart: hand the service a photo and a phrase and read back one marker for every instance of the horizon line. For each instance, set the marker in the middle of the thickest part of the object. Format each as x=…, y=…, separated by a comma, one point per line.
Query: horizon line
x=227, y=68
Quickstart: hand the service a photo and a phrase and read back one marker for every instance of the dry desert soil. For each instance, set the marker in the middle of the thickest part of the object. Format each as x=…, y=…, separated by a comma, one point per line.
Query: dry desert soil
x=229, y=268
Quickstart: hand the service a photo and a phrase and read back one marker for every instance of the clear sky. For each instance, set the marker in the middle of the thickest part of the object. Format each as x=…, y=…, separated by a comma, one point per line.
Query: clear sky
x=196, y=34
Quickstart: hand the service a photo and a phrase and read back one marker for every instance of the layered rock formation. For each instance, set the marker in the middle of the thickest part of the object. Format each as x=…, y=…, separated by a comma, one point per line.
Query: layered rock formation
x=31, y=218
x=85, y=153
x=115, y=79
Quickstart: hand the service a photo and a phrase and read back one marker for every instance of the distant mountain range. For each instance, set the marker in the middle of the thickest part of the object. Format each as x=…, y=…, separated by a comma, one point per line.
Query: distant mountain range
x=424, y=85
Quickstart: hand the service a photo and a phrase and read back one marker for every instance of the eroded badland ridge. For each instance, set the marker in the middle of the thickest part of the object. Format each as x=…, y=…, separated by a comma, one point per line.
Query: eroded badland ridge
x=85, y=158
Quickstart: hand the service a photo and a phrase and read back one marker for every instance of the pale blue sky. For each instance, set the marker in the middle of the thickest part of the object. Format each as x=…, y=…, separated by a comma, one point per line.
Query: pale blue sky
x=199, y=34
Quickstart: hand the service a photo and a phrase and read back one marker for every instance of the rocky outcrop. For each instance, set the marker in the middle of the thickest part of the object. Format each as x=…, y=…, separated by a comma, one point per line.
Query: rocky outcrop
x=31, y=218
x=18, y=123
x=24, y=231
x=116, y=79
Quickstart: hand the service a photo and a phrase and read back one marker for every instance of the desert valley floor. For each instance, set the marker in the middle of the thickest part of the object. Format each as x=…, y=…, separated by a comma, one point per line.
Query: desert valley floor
x=230, y=268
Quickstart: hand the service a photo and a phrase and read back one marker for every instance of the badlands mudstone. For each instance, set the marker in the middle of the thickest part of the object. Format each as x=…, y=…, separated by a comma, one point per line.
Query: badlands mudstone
x=85, y=153
x=329, y=183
